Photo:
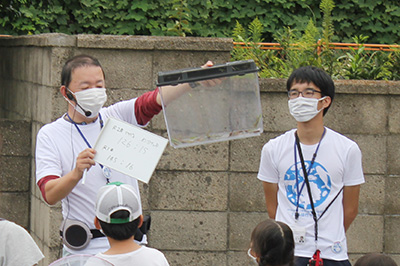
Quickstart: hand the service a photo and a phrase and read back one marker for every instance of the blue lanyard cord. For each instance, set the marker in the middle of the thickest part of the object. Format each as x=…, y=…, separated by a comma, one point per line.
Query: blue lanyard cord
x=308, y=171
x=84, y=138
x=80, y=132
x=307, y=182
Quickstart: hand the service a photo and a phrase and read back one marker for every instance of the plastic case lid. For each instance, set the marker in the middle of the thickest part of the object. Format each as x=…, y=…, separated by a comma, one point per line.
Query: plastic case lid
x=197, y=74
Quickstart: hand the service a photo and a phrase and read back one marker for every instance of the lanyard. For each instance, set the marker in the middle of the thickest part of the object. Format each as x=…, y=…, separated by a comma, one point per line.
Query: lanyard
x=308, y=171
x=307, y=182
x=84, y=138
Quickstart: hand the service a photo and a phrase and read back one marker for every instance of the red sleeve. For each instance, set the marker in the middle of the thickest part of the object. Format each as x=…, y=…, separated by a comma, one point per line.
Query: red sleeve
x=42, y=182
x=146, y=107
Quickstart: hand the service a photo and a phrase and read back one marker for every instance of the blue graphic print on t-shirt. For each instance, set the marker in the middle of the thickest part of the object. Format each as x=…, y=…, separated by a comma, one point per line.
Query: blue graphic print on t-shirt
x=320, y=184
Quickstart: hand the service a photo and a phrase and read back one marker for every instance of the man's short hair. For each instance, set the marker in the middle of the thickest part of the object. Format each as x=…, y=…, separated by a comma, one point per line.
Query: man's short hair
x=319, y=77
x=76, y=62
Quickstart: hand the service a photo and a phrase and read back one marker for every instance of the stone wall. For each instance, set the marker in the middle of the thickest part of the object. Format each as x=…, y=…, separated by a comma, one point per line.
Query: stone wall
x=204, y=200
x=15, y=165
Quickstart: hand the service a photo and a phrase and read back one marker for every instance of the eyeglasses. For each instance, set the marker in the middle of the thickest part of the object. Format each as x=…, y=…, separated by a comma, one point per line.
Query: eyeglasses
x=307, y=93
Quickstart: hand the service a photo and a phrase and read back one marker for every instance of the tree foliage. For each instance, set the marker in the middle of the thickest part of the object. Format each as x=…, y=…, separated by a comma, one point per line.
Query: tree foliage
x=378, y=19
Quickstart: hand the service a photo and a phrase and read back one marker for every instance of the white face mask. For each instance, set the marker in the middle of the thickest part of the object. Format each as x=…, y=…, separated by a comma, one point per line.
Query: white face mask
x=304, y=109
x=90, y=101
x=254, y=259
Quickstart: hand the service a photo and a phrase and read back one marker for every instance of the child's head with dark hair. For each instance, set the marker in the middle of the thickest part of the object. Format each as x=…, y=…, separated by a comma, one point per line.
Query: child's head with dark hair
x=272, y=244
x=375, y=259
x=120, y=231
x=118, y=210
x=311, y=74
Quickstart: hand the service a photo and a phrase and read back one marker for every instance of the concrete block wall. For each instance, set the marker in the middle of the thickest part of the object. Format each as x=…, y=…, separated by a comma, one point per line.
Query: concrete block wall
x=204, y=200
x=15, y=165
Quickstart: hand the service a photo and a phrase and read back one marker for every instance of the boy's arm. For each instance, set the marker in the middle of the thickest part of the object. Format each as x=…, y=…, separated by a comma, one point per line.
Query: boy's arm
x=271, y=198
x=350, y=204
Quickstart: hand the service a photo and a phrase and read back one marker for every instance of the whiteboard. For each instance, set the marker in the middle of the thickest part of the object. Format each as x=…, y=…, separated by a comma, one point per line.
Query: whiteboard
x=129, y=149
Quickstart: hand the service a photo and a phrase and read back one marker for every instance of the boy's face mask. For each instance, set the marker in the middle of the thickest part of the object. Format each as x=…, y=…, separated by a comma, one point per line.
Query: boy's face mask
x=90, y=100
x=304, y=109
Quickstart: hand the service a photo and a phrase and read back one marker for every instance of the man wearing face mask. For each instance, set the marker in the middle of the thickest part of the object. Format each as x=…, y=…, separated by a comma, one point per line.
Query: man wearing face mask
x=64, y=149
x=311, y=175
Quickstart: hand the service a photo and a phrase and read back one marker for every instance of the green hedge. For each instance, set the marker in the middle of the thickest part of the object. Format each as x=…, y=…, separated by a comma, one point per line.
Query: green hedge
x=378, y=19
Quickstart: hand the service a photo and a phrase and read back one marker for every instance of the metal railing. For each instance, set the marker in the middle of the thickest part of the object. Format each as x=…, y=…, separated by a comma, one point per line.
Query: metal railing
x=332, y=45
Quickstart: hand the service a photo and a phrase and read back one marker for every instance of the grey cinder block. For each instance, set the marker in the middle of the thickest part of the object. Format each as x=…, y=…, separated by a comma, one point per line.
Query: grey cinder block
x=392, y=234
x=241, y=224
x=366, y=234
x=197, y=191
x=170, y=231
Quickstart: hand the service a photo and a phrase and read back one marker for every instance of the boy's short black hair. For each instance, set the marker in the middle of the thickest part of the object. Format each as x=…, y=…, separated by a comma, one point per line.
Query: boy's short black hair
x=76, y=62
x=120, y=231
x=319, y=77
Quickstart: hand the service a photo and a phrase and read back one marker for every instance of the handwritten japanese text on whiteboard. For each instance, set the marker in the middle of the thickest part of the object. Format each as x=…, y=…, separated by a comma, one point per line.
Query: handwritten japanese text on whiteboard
x=129, y=149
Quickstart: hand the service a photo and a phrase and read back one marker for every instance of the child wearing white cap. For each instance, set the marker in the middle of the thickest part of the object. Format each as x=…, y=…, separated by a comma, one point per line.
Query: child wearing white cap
x=118, y=215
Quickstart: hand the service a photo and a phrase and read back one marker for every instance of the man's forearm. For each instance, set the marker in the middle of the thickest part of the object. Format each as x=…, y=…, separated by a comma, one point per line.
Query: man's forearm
x=57, y=189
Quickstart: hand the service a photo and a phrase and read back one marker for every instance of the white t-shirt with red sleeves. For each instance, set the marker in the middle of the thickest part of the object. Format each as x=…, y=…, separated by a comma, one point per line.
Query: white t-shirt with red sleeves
x=58, y=145
x=337, y=164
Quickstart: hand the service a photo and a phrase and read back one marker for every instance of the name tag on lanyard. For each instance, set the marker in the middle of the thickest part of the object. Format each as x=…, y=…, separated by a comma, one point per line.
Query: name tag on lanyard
x=299, y=234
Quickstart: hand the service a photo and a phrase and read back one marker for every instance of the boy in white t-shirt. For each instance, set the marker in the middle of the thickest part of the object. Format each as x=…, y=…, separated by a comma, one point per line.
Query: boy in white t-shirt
x=118, y=215
x=311, y=175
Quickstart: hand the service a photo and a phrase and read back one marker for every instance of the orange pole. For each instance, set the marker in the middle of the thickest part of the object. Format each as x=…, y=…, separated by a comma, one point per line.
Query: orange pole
x=333, y=45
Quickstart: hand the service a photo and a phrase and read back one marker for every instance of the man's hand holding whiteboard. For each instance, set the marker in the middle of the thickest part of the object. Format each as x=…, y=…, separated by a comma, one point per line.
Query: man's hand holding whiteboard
x=129, y=149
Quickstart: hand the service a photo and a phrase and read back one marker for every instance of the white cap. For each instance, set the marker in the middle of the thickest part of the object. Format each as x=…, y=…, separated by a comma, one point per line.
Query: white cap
x=114, y=197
